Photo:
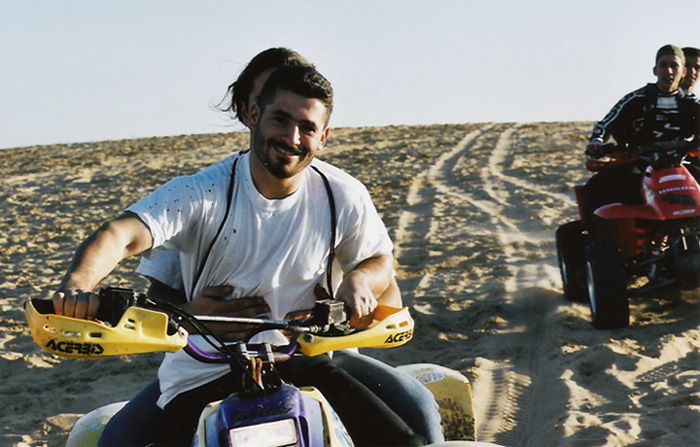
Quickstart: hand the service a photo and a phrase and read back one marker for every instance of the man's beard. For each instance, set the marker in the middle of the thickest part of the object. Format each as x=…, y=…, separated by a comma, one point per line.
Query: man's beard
x=262, y=149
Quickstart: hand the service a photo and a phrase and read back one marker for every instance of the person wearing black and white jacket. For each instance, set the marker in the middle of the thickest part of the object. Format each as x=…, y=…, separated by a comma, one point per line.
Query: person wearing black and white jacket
x=657, y=112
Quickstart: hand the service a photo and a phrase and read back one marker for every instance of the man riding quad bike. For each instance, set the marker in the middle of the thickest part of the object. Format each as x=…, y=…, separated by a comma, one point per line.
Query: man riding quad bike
x=640, y=212
x=263, y=409
x=658, y=240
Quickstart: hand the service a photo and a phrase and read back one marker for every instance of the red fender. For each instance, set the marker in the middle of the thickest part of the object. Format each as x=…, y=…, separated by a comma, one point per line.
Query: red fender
x=626, y=211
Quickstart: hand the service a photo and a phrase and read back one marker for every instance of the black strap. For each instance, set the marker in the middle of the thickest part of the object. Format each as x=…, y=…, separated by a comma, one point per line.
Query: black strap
x=331, y=254
x=229, y=199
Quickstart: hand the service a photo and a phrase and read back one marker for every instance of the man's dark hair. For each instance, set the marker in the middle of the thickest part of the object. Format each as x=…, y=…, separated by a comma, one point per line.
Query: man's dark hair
x=691, y=52
x=240, y=89
x=304, y=81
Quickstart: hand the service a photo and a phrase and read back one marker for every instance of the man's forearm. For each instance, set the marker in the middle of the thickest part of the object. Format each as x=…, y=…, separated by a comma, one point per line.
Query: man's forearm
x=392, y=295
x=99, y=254
x=377, y=271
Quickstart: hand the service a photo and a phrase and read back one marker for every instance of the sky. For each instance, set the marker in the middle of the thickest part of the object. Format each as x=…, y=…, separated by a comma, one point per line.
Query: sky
x=92, y=70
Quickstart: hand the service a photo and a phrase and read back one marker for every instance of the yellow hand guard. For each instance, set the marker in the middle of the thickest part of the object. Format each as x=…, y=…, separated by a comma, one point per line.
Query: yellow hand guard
x=392, y=327
x=139, y=331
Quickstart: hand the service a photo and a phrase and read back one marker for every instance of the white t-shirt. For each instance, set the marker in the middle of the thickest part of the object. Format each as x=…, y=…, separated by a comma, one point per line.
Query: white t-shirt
x=163, y=266
x=275, y=249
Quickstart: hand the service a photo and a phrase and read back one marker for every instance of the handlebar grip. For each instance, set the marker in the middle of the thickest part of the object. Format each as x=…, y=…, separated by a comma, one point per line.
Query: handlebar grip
x=112, y=307
x=113, y=302
x=609, y=148
x=664, y=146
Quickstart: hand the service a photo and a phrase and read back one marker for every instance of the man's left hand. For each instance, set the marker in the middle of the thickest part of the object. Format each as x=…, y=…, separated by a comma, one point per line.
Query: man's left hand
x=356, y=293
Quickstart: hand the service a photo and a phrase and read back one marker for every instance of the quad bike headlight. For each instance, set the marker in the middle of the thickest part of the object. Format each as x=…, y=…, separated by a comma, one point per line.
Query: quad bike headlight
x=270, y=434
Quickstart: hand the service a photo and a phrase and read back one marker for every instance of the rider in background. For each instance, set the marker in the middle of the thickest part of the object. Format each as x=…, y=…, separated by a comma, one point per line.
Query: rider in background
x=692, y=68
x=655, y=113
x=692, y=72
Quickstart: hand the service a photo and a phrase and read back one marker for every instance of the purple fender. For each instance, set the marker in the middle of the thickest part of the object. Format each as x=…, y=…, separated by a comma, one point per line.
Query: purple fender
x=287, y=404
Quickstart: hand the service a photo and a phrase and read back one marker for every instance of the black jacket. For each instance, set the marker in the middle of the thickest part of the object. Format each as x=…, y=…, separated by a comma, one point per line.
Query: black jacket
x=646, y=115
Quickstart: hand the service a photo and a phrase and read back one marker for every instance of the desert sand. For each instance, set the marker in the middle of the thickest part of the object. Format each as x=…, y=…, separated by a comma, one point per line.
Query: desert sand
x=472, y=210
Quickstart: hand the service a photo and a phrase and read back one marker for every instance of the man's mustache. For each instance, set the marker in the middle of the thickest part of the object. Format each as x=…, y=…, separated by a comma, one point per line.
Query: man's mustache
x=298, y=150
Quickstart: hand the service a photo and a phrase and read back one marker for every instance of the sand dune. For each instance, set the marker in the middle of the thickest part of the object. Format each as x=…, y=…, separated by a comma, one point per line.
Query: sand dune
x=472, y=209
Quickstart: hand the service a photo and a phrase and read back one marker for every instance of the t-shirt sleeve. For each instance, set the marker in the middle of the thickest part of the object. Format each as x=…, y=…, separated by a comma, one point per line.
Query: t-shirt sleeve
x=171, y=211
x=363, y=234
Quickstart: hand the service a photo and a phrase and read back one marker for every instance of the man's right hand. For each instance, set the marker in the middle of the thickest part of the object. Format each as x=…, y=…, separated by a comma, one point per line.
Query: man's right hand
x=94, y=259
x=212, y=301
x=595, y=149
x=76, y=303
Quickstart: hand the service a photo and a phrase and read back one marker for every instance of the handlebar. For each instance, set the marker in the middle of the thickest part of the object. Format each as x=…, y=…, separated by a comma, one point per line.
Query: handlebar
x=665, y=147
x=659, y=154
x=148, y=325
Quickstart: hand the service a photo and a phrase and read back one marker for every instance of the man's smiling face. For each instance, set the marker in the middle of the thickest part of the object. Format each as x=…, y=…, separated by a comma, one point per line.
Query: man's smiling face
x=288, y=133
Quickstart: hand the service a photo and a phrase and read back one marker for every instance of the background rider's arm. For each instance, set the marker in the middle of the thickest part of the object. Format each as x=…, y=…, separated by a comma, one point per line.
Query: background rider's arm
x=696, y=121
x=94, y=259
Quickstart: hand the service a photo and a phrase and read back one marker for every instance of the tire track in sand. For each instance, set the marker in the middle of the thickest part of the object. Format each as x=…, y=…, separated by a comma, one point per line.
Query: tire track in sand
x=466, y=208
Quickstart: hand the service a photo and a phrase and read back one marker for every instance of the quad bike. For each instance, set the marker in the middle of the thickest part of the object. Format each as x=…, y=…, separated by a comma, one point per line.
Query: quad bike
x=654, y=244
x=266, y=412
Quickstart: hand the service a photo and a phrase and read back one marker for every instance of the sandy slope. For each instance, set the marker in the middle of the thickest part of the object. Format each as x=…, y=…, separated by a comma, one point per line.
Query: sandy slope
x=472, y=209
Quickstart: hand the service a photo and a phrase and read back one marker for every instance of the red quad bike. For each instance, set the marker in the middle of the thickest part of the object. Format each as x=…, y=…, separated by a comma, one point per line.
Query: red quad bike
x=639, y=247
